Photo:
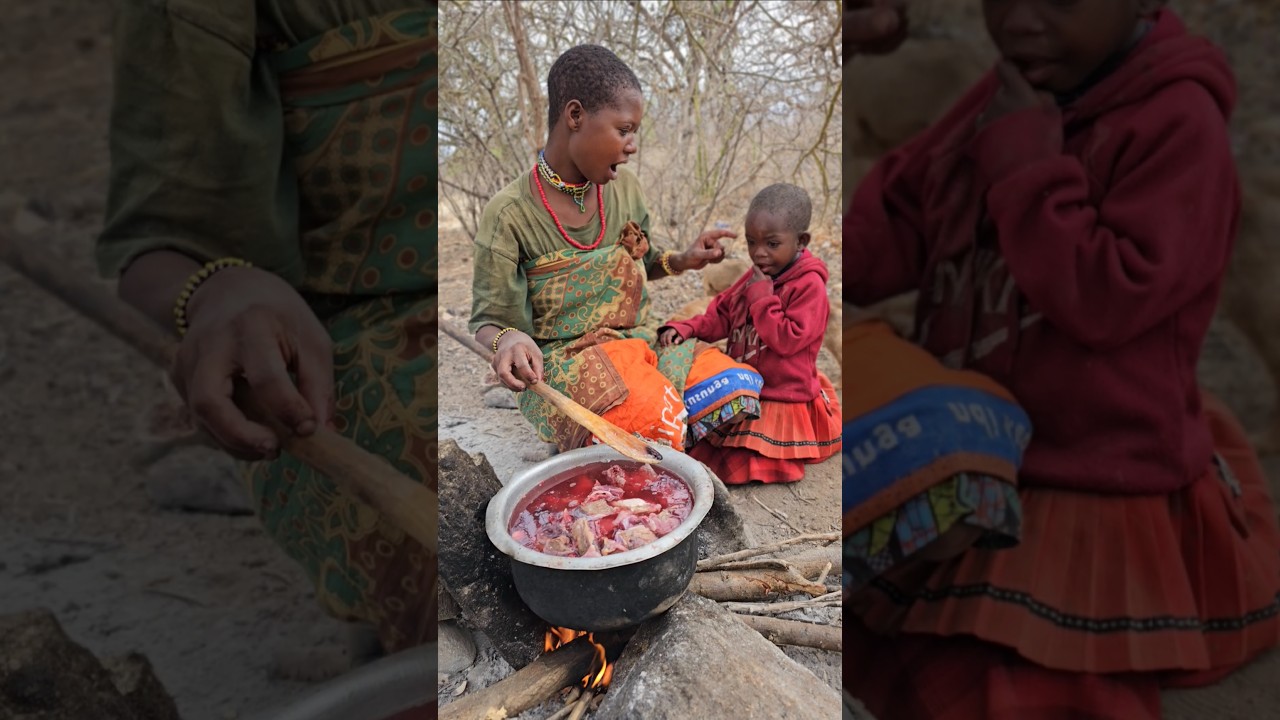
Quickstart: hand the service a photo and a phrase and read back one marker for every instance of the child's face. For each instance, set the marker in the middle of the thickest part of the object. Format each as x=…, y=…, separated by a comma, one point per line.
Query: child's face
x=606, y=138
x=770, y=244
x=1058, y=43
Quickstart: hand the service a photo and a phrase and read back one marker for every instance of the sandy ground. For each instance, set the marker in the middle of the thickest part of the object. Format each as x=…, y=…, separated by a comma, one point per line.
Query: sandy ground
x=503, y=436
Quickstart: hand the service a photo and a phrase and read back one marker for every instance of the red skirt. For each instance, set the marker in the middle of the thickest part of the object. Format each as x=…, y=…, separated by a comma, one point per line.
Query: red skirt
x=776, y=446
x=1106, y=599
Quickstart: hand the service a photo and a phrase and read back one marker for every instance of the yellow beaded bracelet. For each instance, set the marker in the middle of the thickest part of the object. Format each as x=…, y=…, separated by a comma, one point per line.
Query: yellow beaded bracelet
x=193, y=282
x=498, y=337
x=666, y=263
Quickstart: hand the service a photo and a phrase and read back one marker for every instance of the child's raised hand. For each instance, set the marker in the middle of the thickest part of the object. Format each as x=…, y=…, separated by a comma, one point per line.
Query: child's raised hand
x=757, y=275
x=706, y=249
x=1015, y=93
x=669, y=336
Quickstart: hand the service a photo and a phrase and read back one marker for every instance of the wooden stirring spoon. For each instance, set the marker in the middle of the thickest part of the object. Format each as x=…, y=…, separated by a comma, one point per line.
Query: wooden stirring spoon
x=608, y=433
x=410, y=505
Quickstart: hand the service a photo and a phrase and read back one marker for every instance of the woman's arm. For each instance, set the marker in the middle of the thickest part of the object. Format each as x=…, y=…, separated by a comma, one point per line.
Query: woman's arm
x=197, y=173
x=153, y=281
x=703, y=251
x=500, y=300
x=196, y=143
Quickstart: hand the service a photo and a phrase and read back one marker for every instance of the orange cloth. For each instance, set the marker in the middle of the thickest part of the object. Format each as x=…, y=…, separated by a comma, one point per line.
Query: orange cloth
x=653, y=408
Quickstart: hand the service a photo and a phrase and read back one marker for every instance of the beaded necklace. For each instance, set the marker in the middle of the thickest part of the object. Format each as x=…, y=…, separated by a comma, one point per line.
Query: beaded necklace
x=577, y=191
x=599, y=197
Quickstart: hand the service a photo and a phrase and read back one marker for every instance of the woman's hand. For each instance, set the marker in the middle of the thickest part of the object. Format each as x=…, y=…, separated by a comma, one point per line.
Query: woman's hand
x=668, y=337
x=1015, y=94
x=706, y=249
x=518, y=362
x=874, y=27
x=248, y=326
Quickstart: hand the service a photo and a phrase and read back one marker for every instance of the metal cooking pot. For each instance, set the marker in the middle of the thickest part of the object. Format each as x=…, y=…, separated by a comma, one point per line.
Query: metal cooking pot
x=601, y=593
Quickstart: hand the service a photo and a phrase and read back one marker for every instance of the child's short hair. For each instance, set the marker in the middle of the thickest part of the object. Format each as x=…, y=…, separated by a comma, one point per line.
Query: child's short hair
x=590, y=74
x=789, y=203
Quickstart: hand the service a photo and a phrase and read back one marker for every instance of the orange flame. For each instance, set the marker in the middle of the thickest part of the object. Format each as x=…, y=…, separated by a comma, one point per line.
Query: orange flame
x=601, y=669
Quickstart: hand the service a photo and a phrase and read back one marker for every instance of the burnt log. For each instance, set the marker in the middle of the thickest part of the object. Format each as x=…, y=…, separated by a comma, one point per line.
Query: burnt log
x=528, y=687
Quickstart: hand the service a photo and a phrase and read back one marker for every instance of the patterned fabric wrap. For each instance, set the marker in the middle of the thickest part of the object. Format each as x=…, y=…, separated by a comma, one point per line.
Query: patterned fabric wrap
x=910, y=423
x=360, y=123
x=361, y=120
x=925, y=448
x=981, y=501
x=719, y=392
x=582, y=301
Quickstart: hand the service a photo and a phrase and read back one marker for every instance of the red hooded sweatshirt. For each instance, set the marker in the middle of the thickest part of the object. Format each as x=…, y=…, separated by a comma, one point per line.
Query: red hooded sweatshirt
x=1075, y=255
x=775, y=326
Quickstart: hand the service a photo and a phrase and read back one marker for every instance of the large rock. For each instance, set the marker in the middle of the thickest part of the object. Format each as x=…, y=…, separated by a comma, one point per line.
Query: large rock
x=477, y=574
x=698, y=661
x=46, y=676
x=722, y=530
x=197, y=479
x=855, y=710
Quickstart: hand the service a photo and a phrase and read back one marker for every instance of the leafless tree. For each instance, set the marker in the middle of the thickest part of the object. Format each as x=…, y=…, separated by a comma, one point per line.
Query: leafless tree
x=739, y=94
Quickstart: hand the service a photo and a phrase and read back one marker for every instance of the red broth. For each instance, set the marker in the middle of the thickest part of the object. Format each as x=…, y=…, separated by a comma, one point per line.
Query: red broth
x=601, y=509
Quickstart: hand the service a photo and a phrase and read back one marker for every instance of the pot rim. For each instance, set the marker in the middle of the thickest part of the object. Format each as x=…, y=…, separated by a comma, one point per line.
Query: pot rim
x=501, y=505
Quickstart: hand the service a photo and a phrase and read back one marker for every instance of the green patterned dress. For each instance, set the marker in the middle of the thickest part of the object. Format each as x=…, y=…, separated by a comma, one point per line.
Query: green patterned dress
x=301, y=136
x=573, y=303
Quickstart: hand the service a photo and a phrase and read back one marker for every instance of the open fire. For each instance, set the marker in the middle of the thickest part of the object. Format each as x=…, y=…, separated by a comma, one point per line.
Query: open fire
x=601, y=668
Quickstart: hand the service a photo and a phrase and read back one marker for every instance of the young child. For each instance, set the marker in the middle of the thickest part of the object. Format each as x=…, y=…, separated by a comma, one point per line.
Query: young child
x=1068, y=223
x=774, y=317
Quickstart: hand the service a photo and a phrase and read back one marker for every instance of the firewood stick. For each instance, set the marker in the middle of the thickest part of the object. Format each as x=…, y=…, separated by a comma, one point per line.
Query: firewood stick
x=722, y=585
x=794, y=632
x=570, y=703
x=719, y=560
x=772, y=608
x=806, y=564
x=823, y=577
x=780, y=515
x=581, y=708
x=563, y=712
x=528, y=686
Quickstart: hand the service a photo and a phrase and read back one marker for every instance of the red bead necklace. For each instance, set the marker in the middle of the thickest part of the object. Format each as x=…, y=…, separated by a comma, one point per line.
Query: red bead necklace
x=563, y=234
